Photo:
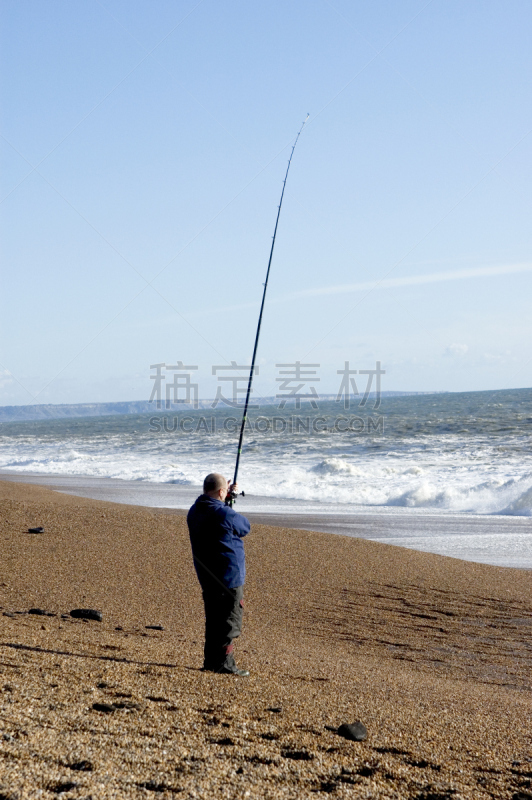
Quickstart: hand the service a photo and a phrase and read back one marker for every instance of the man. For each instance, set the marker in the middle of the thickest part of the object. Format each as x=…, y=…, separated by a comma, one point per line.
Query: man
x=216, y=533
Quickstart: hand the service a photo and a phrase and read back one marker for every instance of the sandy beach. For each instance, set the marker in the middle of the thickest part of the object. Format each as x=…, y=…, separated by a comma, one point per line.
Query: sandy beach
x=432, y=654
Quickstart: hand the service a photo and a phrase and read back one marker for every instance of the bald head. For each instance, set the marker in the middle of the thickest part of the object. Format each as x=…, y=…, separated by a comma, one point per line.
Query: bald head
x=213, y=483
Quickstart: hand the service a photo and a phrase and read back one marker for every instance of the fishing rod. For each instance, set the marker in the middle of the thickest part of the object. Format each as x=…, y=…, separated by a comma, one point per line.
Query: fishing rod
x=231, y=497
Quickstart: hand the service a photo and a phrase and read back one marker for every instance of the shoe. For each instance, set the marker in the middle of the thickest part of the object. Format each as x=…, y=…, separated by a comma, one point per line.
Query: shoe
x=242, y=673
x=225, y=669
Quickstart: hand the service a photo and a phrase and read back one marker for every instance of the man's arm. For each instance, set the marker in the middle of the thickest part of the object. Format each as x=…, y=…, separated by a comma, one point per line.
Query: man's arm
x=240, y=524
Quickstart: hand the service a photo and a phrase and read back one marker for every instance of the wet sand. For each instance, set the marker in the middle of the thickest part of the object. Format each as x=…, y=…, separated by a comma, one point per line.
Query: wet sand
x=433, y=654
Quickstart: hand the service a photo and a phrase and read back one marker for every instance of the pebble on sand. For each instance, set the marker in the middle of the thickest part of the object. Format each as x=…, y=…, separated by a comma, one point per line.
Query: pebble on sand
x=105, y=708
x=86, y=613
x=81, y=766
x=41, y=612
x=356, y=731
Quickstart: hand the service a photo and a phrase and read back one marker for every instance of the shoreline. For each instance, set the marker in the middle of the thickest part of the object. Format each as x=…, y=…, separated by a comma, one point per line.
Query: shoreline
x=504, y=541
x=432, y=654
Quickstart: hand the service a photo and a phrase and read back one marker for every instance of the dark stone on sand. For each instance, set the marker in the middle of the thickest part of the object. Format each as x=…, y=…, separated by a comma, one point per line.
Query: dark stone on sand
x=81, y=766
x=356, y=731
x=105, y=708
x=154, y=627
x=153, y=786
x=87, y=613
x=62, y=786
x=366, y=770
x=8, y=614
x=297, y=755
x=102, y=685
x=275, y=709
x=41, y=612
x=128, y=704
x=39, y=529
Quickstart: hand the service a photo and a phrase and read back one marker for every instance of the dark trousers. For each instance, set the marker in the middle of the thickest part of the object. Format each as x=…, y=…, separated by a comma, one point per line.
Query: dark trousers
x=223, y=623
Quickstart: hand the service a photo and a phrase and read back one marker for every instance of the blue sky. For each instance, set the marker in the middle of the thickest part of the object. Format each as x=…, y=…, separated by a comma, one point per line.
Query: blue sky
x=143, y=151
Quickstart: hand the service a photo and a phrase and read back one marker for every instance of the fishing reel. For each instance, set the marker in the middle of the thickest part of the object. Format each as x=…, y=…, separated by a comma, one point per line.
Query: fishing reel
x=231, y=497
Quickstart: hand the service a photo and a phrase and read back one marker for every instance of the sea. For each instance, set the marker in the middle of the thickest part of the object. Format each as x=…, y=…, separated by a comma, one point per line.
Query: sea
x=448, y=472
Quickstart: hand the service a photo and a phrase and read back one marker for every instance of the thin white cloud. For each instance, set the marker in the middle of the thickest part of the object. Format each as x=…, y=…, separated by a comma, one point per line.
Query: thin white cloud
x=6, y=378
x=413, y=280
x=369, y=286
x=456, y=350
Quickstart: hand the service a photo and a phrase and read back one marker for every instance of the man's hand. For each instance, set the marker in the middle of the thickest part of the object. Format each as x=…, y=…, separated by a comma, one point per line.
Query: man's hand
x=232, y=493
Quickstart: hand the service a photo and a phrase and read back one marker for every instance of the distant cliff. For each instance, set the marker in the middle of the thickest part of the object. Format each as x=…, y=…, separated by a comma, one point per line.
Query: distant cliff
x=66, y=410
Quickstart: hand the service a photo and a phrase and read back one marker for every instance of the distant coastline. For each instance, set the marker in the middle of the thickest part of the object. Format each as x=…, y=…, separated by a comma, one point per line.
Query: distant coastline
x=76, y=410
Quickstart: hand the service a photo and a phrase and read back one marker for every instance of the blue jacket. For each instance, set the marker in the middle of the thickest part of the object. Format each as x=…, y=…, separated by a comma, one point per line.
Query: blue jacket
x=216, y=533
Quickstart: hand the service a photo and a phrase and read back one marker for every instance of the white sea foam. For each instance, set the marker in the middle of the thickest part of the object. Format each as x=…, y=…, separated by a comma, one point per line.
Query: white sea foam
x=335, y=466
x=436, y=485
x=521, y=506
